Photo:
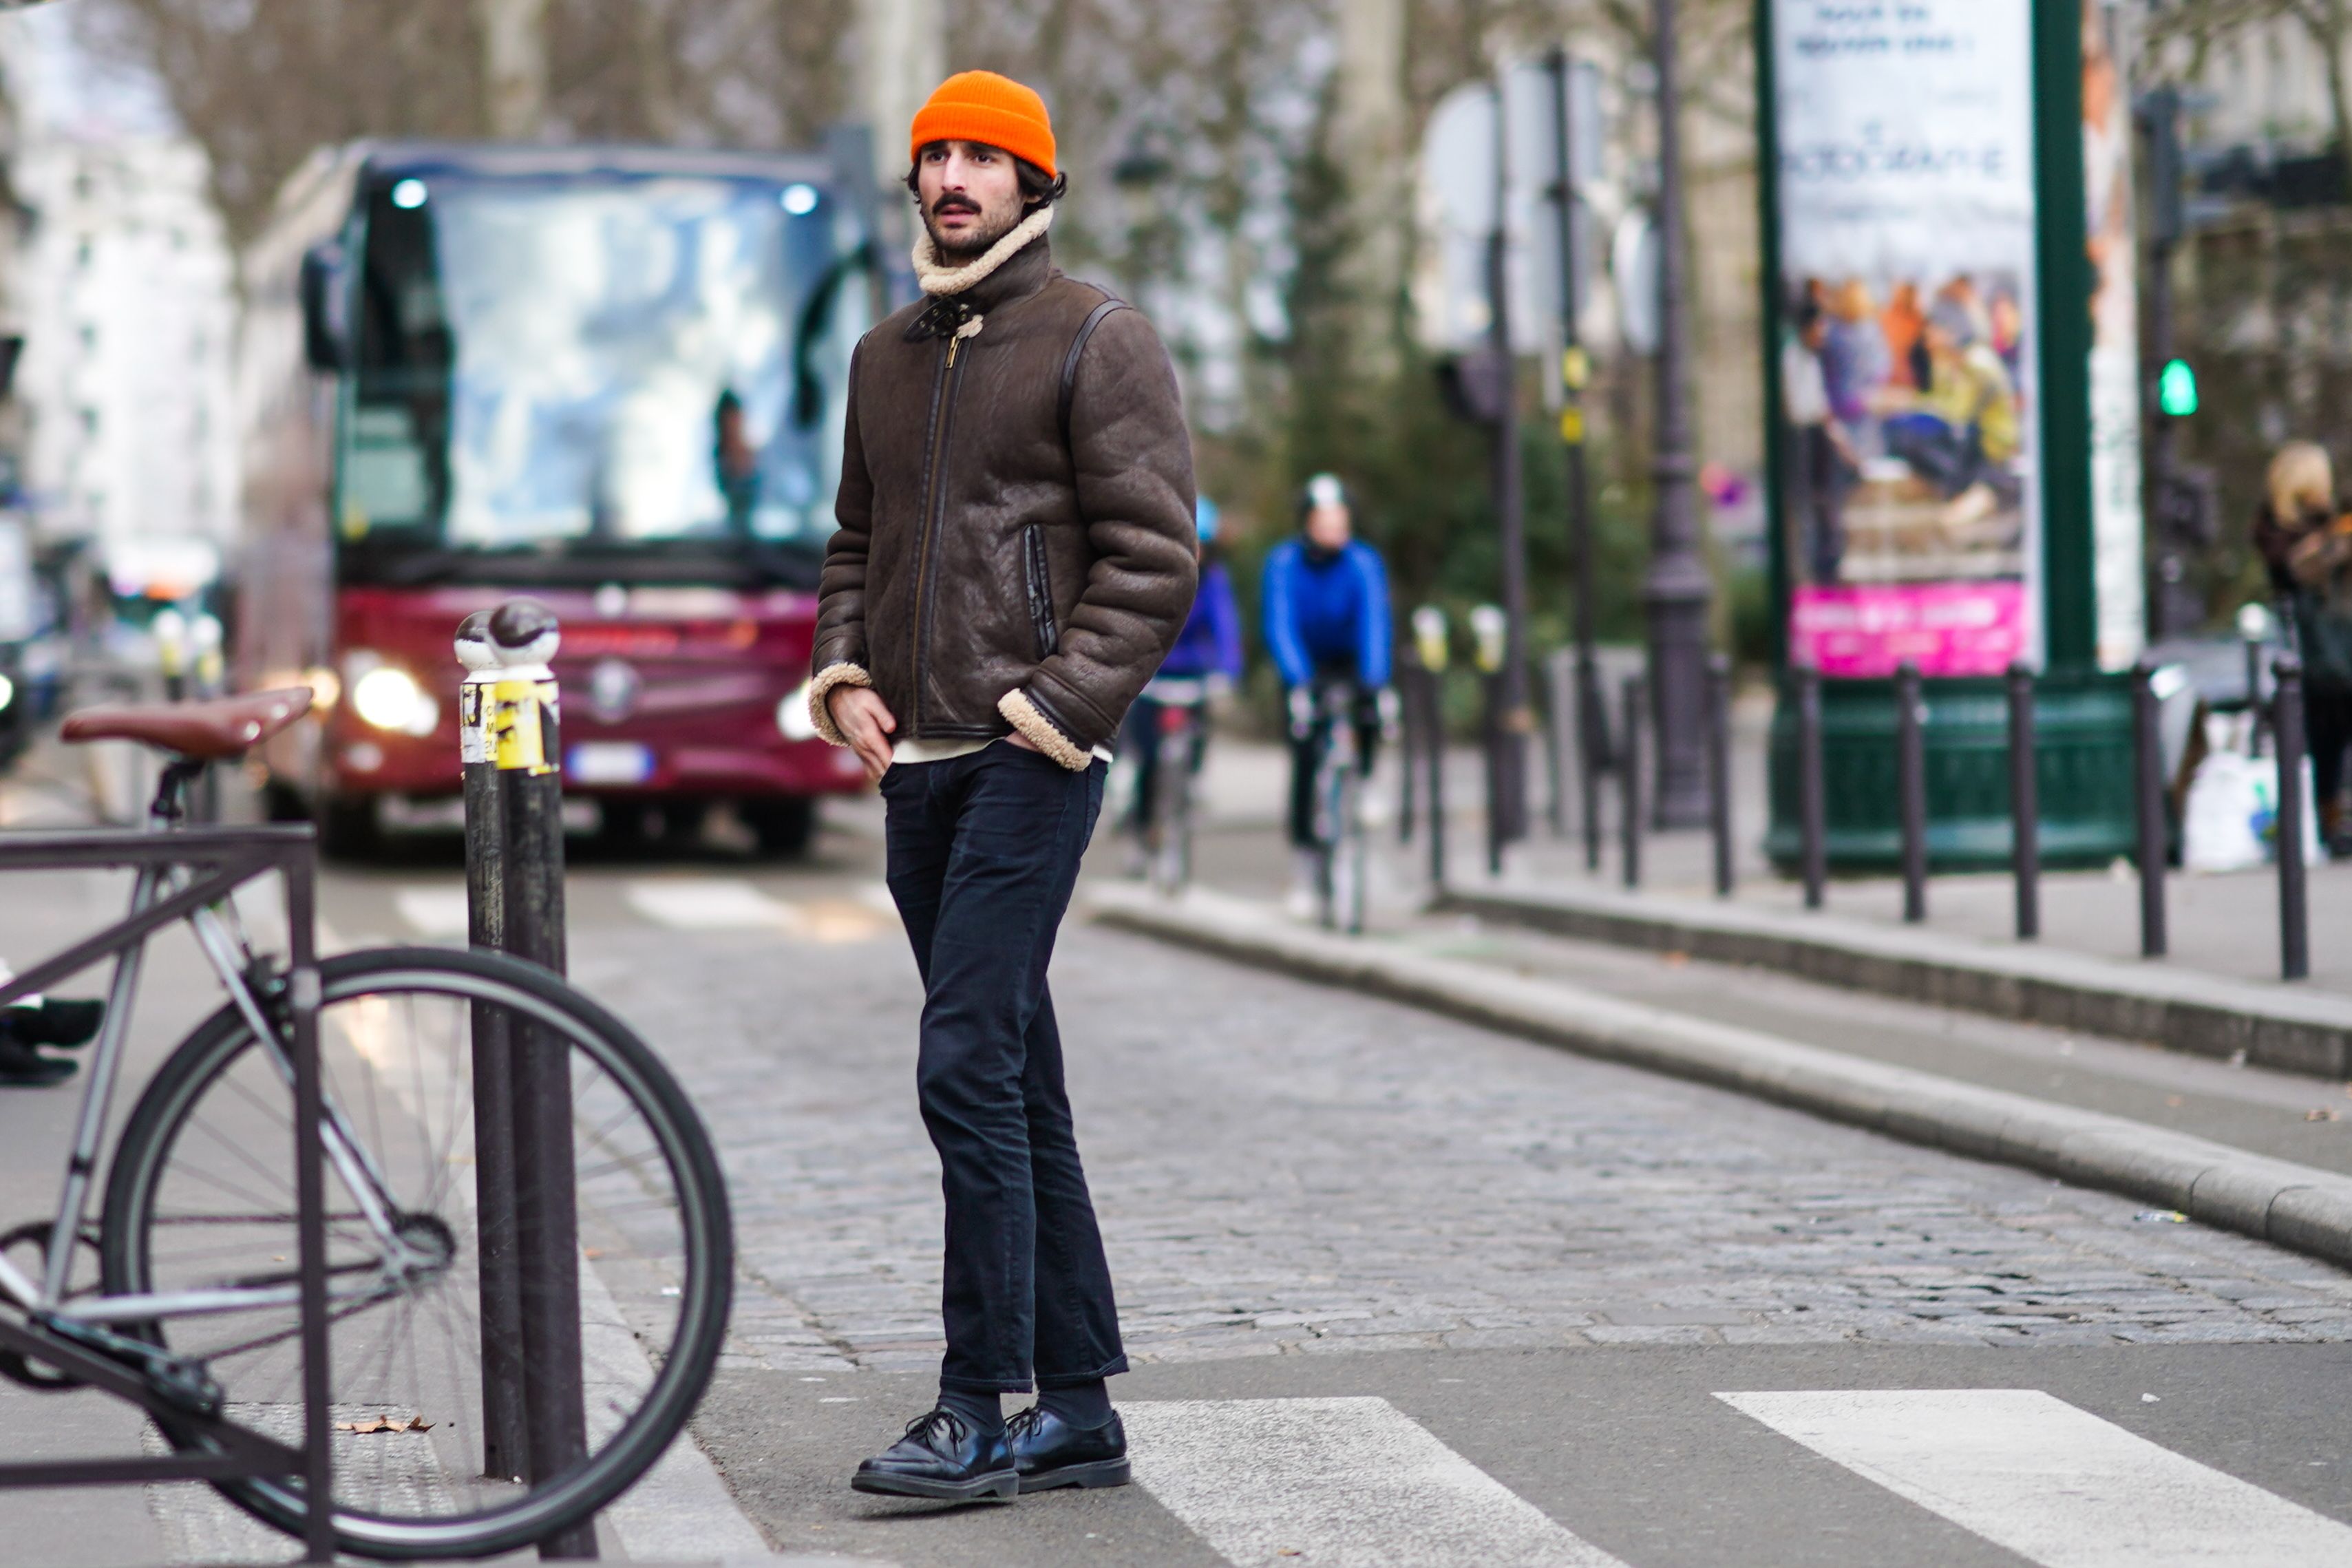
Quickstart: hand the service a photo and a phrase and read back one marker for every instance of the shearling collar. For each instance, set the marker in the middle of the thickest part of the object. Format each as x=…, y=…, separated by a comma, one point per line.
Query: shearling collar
x=939, y=280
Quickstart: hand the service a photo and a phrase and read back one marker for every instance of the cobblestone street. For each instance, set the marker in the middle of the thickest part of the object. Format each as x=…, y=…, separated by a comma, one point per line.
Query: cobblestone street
x=1283, y=1169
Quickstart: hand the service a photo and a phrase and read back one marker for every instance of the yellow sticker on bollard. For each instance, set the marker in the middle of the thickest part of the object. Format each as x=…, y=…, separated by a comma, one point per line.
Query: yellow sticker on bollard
x=515, y=735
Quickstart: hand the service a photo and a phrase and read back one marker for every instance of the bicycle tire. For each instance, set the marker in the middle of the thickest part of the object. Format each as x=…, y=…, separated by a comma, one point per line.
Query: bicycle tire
x=1172, y=820
x=684, y=1369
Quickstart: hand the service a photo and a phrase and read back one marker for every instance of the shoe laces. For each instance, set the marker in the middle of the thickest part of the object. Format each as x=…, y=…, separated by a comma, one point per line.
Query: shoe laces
x=1021, y=1423
x=925, y=1426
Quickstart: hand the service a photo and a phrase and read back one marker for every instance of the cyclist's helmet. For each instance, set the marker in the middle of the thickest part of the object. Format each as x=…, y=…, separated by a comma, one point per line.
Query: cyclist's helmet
x=1322, y=490
x=1204, y=519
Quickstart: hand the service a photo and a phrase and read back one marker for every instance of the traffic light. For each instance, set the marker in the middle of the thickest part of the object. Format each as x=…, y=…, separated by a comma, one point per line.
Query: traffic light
x=2176, y=389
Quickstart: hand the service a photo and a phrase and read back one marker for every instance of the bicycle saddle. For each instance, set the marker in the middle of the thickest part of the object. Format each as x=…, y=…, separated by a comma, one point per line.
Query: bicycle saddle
x=203, y=732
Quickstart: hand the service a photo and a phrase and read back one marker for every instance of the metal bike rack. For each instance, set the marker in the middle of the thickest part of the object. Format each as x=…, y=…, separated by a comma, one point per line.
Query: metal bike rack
x=226, y=859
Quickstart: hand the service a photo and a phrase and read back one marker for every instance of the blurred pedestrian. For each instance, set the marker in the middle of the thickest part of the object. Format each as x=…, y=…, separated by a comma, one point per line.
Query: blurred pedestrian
x=1016, y=558
x=1324, y=602
x=1827, y=465
x=2306, y=540
x=1206, y=662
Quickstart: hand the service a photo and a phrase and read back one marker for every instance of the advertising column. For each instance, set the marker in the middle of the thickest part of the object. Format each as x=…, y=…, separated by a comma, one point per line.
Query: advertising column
x=1911, y=507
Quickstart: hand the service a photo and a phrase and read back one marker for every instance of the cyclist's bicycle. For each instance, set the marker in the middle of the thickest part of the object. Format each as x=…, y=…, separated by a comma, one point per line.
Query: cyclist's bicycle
x=185, y=1294
x=1167, y=823
x=1342, y=847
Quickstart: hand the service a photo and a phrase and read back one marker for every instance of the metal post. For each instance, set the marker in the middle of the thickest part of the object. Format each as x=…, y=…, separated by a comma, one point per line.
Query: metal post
x=1629, y=764
x=1432, y=640
x=1812, y=793
x=2024, y=802
x=303, y=995
x=169, y=630
x=1503, y=742
x=2147, y=770
x=1575, y=374
x=1508, y=753
x=210, y=669
x=1678, y=588
x=1409, y=675
x=1911, y=788
x=525, y=751
x=2254, y=695
x=1559, y=714
x=506, y=1446
x=1591, y=726
x=2294, y=910
x=1719, y=768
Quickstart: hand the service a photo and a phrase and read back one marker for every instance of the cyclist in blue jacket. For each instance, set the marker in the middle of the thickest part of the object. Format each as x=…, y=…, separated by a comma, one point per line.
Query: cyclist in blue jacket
x=1324, y=601
x=1206, y=660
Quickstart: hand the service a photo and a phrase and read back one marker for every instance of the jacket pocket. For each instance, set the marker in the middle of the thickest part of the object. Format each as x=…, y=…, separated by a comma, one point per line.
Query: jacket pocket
x=1040, y=582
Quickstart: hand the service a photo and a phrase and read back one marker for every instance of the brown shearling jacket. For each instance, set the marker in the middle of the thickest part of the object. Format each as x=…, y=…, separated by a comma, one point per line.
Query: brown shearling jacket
x=1016, y=548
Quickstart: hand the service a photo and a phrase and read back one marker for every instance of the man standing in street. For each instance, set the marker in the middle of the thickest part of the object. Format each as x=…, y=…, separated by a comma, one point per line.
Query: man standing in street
x=1015, y=557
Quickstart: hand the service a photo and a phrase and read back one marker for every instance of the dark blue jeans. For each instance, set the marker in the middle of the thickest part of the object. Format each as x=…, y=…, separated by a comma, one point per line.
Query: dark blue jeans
x=983, y=854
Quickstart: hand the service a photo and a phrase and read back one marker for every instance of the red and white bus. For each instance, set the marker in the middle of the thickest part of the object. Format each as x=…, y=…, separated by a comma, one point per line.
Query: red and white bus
x=608, y=378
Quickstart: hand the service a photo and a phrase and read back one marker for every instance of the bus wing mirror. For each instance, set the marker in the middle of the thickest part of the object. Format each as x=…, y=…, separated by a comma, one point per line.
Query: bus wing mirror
x=326, y=307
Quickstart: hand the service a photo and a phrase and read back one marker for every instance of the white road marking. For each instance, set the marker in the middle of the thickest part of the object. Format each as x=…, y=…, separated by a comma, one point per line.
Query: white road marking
x=2050, y=1482
x=1339, y=1483
x=708, y=903
x=432, y=909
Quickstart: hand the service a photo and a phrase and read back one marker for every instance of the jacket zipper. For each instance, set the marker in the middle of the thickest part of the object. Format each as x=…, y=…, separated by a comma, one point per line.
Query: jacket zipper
x=934, y=502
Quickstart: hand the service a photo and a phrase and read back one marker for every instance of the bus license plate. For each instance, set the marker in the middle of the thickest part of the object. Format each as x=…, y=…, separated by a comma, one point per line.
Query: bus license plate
x=609, y=763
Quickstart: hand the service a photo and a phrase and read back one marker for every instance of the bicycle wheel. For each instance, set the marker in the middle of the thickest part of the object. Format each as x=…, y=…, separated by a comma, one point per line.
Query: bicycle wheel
x=1172, y=825
x=1347, y=854
x=201, y=1196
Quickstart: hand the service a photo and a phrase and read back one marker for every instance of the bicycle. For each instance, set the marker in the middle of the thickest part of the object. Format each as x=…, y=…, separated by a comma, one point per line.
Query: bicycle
x=1341, y=845
x=1183, y=720
x=195, y=1312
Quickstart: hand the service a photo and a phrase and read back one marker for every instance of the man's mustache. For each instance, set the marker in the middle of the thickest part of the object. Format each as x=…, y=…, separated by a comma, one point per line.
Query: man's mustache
x=947, y=204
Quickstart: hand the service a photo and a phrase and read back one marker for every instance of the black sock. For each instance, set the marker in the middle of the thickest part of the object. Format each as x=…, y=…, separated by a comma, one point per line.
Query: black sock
x=1084, y=1404
x=983, y=1413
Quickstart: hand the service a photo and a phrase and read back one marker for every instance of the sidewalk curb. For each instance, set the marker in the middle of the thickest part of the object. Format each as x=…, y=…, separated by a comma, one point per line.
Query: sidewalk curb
x=2205, y=1014
x=2295, y=1206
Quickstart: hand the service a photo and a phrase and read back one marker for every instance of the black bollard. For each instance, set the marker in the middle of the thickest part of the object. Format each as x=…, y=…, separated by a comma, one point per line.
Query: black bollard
x=1718, y=769
x=2294, y=908
x=2024, y=803
x=2147, y=772
x=525, y=748
x=1911, y=788
x=1629, y=769
x=1408, y=678
x=2254, y=695
x=1592, y=737
x=1432, y=719
x=1559, y=720
x=1813, y=791
x=506, y=1445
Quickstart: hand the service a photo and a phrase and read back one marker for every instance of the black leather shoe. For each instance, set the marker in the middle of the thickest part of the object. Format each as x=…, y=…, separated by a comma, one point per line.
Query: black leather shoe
x=1051, y=1453
x=941, y=1456
x=57, y=1021
x=23, y=1068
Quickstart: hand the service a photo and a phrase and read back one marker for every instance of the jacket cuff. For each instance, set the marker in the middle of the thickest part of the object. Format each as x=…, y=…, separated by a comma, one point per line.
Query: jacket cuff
x=1039, y=731
x=828, y=680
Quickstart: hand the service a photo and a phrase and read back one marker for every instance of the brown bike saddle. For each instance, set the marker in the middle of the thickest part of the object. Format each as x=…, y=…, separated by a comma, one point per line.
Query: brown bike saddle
x=205, y=732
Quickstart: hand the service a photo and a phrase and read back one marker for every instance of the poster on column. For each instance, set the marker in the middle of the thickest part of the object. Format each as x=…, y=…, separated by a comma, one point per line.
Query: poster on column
x=1911, y=505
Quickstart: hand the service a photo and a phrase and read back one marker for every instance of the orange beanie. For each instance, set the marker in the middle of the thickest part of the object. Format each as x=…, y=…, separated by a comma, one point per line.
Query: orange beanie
x=981, y=106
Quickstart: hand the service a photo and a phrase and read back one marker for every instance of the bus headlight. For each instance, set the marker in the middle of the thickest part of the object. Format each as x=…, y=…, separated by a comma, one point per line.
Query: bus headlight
x=792, y=715
x=390, y=699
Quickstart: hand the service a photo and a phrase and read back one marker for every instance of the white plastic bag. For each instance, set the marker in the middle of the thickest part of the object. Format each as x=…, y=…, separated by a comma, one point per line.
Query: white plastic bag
x=2231, y=820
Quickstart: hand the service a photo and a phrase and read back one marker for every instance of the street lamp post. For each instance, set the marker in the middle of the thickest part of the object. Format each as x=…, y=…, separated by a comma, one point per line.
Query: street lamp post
x=1507, y=754
x=1678, y=589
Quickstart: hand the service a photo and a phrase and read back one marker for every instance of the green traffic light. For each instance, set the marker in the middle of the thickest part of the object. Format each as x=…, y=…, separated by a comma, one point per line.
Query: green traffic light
x=2176, y=389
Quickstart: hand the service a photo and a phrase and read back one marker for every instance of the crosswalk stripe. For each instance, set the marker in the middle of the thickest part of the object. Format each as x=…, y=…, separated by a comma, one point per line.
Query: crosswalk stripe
x=2052, y=1483
x=1339, y=1483
x=708, y=903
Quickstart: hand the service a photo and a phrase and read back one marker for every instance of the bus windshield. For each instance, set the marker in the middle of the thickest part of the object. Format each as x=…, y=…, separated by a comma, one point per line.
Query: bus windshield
x=596, y=364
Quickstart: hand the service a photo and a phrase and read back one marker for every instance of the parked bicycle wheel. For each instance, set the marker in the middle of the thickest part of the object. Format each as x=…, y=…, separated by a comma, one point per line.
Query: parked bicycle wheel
x=201, y=1197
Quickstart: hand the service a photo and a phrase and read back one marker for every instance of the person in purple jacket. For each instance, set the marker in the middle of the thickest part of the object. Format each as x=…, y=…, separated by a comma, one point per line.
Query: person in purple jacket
x=1206, y=660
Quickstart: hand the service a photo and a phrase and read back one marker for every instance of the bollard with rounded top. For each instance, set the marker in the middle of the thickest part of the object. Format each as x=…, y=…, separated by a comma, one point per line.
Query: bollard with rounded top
x=169, y=630
x=506, y=1445
x=2295, y=909
x=1911, y=787
x=2155, y=836
x=2024, y=802
x=519, y=745
x=1813, y=791
x=1629, y=763
x=1432, y=640
x=1719, y=769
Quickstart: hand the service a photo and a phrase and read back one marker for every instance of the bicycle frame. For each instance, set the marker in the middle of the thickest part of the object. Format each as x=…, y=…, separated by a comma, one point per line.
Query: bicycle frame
x=217, y=861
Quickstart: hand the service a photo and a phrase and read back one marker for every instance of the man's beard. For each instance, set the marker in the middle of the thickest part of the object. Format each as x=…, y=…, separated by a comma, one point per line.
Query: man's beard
x=986, y=235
